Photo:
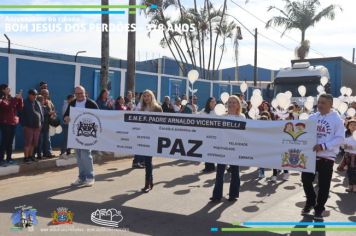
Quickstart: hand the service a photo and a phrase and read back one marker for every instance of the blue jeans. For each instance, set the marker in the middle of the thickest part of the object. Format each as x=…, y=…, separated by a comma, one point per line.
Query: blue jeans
x=148, y=168
x=234, y=183
x=46, y=143
x=85, y=164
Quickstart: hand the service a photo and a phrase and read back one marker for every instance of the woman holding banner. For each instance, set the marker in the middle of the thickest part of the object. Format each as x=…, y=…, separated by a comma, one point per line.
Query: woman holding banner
x=233, y=109
x=209, y=109
x=148, y=103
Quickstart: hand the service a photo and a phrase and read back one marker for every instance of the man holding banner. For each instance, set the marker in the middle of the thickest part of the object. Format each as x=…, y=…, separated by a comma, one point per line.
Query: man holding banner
x=330, y=135
x=84, y=157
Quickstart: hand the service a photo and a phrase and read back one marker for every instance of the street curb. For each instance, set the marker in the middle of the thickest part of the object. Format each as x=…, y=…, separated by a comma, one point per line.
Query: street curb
x=23, y=168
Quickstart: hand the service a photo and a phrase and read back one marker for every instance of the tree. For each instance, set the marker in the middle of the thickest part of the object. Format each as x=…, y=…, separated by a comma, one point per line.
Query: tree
x=105, y=48
x=131, y=52
x=301, y=15
x=197, y=47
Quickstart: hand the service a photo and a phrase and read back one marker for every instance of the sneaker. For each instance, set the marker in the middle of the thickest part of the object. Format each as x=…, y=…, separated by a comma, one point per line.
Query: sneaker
x=137, y=166
x=11, y=162
x=89, y=182
x=261, y=174
x=274, y=178
x=307, y=209
x=285, y=176
x=318, y=215
x=78, y=182
x=63, y=156
x=32, y=159
x=3, y=164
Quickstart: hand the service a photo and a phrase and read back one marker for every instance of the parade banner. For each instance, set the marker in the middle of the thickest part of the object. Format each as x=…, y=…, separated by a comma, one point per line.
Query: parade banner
x=204, y=138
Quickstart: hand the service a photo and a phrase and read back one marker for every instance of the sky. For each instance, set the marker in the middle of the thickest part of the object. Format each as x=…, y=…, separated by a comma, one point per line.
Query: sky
x=328, y=38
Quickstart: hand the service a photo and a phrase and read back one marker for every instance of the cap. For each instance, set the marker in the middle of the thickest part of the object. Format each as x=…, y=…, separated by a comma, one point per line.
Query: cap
x=32, y=92
x=42, y=83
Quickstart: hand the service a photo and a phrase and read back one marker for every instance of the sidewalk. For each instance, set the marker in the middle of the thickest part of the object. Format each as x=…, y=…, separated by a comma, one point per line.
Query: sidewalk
x=19, y=167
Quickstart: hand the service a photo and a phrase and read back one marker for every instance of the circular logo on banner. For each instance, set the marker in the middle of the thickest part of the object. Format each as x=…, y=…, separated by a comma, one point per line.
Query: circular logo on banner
x=87, y=129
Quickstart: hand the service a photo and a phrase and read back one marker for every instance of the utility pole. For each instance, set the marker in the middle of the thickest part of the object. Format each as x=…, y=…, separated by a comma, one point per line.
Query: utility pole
x=353, y=55
x=255, y=63
x=131, y=51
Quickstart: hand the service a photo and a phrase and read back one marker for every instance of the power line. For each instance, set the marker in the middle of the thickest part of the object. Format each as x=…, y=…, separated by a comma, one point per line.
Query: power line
x=259, y=19
x=25, y=46
x=279, y=44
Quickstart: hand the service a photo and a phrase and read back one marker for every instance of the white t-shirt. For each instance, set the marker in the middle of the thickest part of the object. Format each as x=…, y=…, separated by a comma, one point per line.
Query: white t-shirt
x=351, y=145
x=176, y=108
x=80, y=104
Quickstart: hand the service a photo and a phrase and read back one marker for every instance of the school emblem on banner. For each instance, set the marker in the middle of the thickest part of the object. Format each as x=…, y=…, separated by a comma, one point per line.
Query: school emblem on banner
x=62, y=216
x=294, y=158
x=295, y=131
x=87, y=128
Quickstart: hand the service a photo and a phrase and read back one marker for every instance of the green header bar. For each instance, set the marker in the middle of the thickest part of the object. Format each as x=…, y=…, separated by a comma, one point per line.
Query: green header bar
x=343, y=229
x=71, y=6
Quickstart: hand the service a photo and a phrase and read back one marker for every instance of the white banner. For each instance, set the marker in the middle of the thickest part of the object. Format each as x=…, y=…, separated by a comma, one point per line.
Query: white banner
x=204, y=138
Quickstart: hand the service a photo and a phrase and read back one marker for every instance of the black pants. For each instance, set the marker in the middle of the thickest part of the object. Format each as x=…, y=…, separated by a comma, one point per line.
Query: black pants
x=8, y=135
x=351, y=175
x=275, y=172
x=148, y=168
x=234, y=183
x=209, y=166
x=324, y=167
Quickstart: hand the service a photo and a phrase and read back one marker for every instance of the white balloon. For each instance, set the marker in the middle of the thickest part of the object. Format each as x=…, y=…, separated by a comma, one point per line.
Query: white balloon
x=256, y=92
x=348, y=92
x=354, y=135
x=342, y=108
x=256, y=100
x=343, y=90
x=283, y=101
x=59, y=129
x=224, y=97
x=243, y=87
x=320, y=89
x=193, y=75
x=351, y=112
x=52, y=130
x=220, y=110
x=302, y=90
x=303, y=116
x=336, y=102
x=252, y=114
x=308, y=105
x=289, y=94
x=324, y=80
x=310, y=99
x=184, y=102
x=274, y=103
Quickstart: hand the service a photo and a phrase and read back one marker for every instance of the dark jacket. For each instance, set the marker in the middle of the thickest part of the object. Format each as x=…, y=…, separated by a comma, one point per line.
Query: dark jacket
x=32, y=114
x=90, y=104
x=167, y=108
x=8, y=110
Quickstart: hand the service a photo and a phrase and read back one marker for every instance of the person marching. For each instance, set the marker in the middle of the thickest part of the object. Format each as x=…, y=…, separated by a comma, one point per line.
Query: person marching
x=330, y=136
x=149, y=104
x=349, y=159
x=233, y=109
x=209, y=109
x=84, y=158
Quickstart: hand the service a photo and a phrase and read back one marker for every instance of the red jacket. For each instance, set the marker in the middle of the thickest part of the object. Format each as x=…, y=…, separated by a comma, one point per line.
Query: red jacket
x=8, y=110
